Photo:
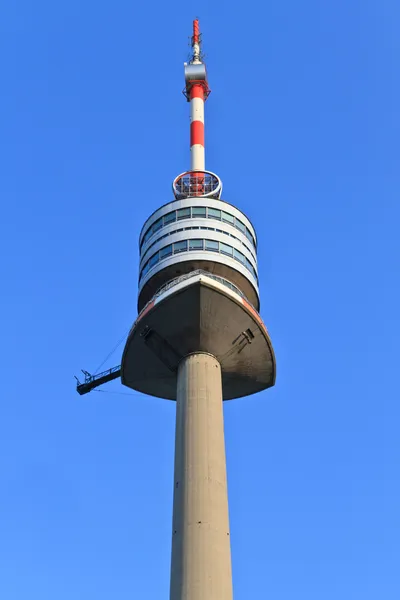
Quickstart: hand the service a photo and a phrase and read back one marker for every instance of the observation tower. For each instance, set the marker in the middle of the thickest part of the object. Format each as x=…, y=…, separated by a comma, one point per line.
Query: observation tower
x=198, y=339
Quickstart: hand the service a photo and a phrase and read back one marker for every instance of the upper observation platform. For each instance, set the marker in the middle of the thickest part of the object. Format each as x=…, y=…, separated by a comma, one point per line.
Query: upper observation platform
x=197, y=233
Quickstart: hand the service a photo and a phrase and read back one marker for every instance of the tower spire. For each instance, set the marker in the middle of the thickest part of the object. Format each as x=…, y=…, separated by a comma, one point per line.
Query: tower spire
x=196, y=42
x=197, y=182
x=196, y=92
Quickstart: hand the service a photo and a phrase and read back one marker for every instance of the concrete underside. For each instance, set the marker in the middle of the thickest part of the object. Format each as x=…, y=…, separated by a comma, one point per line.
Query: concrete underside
x=198, y=318
x=201, y=556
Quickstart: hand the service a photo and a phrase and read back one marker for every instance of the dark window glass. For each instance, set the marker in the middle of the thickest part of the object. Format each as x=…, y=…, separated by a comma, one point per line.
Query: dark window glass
x=157, y=225
x=225, y=249
x=180, y=246
x=240, y=225
x=195, y=244
x=228, y=218
x=213, y=213
x=170, y=217
x=147, y=235
x=183, y=213
x=198, y=211
x=144, y=270
x=239, y=256
x=153, y=260
x=212, y=245
x=167, y=251
x=249, y=265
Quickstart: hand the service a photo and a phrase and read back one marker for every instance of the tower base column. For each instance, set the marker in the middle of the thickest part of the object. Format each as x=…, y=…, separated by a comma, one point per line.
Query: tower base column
x=201, y=556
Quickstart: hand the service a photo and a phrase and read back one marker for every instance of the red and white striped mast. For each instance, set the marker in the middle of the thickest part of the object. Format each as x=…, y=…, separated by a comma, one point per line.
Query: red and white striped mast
x=197, y=181
x=197, y=93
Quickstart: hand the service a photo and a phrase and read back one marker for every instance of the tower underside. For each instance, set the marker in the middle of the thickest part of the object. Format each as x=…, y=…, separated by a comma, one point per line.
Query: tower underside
x=198, y=313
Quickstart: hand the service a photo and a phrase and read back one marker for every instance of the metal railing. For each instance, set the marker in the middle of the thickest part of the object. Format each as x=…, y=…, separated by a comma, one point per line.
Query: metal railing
x=194, y=184
x=177, y=280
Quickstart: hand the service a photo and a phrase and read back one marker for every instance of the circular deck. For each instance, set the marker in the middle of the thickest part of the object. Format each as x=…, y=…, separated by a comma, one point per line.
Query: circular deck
x=198, y=313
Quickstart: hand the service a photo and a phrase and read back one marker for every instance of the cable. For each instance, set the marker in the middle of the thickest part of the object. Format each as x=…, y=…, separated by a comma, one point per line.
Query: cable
x=112, y=351
x=117, y=393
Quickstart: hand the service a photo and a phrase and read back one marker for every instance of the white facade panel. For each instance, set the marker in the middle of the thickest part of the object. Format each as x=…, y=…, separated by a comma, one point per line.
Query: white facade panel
x=206, y=225
x=194, y=234
x=210, y=257
x=208, y=202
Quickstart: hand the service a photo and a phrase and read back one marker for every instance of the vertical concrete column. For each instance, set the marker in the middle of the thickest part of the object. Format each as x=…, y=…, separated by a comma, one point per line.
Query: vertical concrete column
x=201, y=555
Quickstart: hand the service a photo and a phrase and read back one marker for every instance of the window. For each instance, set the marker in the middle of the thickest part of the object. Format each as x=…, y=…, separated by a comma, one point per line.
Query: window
x=170, y=217
x=180, y=246
x=157, y=225
x=183, y=213
x=147, y=235
x=227, y=218
x=225, y=249
x=167, y=251
x=239, y=256
x=198, y=211
x=213, y=213
x=145, y=269
x=198, y=244
x=241, y=226
x=211, y=245
x=249, y=236
x=195, y=244
x=153, y=260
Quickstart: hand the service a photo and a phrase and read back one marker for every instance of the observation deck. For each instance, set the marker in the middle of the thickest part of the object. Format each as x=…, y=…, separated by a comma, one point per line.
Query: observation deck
x=198, y=312
x=195, y=231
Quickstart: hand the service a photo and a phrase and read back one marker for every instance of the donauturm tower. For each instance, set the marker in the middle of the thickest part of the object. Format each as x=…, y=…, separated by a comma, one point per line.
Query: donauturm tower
x=198, y=340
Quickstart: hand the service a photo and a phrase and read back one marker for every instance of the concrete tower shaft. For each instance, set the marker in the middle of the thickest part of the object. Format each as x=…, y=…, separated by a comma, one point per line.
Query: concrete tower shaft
x=201, y=560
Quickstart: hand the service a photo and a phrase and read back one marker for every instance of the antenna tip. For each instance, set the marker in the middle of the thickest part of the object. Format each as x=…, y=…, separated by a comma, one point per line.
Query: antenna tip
x=196, y=31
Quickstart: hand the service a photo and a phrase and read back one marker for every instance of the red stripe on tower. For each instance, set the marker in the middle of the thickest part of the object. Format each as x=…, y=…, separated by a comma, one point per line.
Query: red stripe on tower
x=196, y=133
x=197, y=91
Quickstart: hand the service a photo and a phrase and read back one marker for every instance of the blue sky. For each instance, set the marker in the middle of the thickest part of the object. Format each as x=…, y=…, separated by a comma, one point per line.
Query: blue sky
x=303, y=126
